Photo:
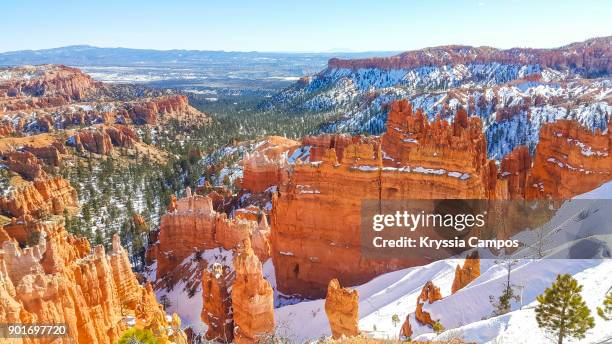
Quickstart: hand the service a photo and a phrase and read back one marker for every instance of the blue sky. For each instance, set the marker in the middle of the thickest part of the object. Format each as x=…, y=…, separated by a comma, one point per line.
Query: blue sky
x=292, y=25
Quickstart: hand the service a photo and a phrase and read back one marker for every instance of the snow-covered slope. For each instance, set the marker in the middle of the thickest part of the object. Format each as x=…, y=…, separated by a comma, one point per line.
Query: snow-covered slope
x=512, y=97
x=468, y=313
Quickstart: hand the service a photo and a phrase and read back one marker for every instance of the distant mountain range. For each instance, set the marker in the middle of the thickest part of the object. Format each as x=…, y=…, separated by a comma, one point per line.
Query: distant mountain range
x=180, y=68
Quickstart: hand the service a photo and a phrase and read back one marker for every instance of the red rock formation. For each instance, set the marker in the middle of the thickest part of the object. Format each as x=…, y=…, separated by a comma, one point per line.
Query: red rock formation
x=406, y=331
x=122, y=136
x=217, y=311
x=95, y=140
x=430, y=293
x=50, y=154
x=252, y=299
x=193, y=225
x=569, y=160
x=44, y=86
x=342, y=309
x=266, y=165
x=26, y=164
x=59, y=281
x=513, y=172
x=44, y=195
x=590, y=55
x=148, y=111
x=466, y=274
x=316, y=219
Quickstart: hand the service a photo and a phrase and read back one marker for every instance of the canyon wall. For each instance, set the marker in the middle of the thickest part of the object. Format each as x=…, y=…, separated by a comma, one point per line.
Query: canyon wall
x=316, y=220
x=50, y=195
x=266, y=165
x=192, y=225
x=569, y=160
x=310, y=250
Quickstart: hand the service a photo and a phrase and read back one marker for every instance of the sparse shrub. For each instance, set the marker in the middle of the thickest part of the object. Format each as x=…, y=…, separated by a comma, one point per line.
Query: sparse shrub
x=437, y=327
x=395, y=319
x=137, y=336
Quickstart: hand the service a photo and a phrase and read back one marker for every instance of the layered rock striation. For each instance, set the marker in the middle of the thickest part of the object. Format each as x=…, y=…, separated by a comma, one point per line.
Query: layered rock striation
x=193, y=225
x=252, y=299
x=59, y=280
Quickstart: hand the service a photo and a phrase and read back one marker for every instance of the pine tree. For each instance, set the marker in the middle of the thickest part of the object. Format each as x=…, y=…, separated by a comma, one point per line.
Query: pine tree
x=563, y=311
x=606, y=311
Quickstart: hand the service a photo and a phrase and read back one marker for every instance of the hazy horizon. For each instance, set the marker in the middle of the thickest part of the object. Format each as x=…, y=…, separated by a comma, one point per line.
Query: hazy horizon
x=316, y=26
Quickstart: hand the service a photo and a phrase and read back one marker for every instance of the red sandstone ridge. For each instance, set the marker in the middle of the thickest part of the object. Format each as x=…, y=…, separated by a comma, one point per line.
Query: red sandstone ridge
x=193, y=225
x=26, y=164
x=590, y=55
x=466, y=274
x=43, y=195
x=430, y=293
x=252, y=299
x=43, y=86
x=148, y=111
x=569, y=160
x=342, y=309
x=217, y=309
x=94, y=294
x=102, y=139
x=316, y=215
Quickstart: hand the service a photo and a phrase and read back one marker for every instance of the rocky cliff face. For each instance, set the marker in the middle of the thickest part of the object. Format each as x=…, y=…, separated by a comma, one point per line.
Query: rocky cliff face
x=60, y=281
x=569, y=160
x=43, y=86
x=342, y=309
x=413, y=160
x=265, y=166
x=49, y=195
x=149, y=111
x=252, y=299
x=193, y=225
x=102, y=139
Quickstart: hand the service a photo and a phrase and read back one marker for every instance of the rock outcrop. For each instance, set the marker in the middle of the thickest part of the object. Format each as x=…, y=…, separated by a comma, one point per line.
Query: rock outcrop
x=150, y=110
x=406, y=330
x=217, y=309
x=59, y=280
x=466, y=274
x=569, y=160
x=429, y=294
x=266, y=165
x=316, y=215
x=193, y=225
x=42, y=196
x=26, y=164
x=41, y=86
x=252, y=299
x=342, y=309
